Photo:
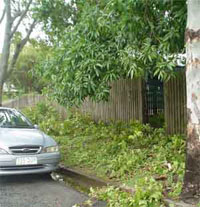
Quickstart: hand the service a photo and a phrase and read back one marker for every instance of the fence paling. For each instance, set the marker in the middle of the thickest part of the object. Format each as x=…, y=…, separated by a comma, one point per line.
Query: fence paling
x=125, y=103
x=175, y=105
x=31, y=100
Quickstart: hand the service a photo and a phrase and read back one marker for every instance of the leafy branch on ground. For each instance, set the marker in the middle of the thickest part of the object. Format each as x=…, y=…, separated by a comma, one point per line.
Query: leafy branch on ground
x=146, y=159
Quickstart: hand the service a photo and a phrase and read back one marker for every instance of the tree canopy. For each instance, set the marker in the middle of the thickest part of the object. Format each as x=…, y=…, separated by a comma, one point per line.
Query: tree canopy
x=112, y=39
x=23, y=76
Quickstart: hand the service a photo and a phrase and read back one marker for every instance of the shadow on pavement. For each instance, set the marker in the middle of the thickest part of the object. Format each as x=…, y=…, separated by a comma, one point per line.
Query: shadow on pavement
x=30, y=178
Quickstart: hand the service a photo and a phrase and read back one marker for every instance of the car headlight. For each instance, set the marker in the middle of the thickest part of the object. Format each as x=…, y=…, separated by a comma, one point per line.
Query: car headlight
x=2, y=152
x=51, y=149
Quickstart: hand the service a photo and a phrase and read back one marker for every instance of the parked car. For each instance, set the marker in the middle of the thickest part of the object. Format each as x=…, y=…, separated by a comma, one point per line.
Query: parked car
x=24, y=148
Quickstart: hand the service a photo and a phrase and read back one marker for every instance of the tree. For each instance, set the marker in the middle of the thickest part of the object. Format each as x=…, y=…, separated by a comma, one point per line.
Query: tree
x=16, y=14
x=112, y=39
x=56, y=15
x=23, y=76
x=191, y=186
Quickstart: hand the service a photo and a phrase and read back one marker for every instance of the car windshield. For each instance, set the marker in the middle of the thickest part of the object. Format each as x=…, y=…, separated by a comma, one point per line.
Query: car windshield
x=13, y=119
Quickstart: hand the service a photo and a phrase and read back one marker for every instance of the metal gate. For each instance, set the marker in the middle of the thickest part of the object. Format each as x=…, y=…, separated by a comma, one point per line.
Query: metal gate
x=154, y=99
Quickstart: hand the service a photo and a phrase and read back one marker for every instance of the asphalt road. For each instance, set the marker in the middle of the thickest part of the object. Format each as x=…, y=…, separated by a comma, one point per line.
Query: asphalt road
x=37, y=191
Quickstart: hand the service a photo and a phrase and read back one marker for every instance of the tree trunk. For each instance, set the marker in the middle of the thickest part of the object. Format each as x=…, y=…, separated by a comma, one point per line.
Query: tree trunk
x=1, y=94
x=6, y=47
x=10, y=29
x=191, y=187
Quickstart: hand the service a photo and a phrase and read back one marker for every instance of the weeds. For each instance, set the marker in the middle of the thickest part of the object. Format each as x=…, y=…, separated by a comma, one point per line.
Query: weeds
x=139, y=156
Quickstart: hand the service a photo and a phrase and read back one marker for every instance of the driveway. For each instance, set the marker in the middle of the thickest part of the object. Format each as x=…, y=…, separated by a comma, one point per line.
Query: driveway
x=37, y=191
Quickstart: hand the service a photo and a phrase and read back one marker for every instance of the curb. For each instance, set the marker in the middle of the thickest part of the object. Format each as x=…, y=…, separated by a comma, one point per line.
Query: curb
x=82, y=177
x=92, y=181
x=178, y=204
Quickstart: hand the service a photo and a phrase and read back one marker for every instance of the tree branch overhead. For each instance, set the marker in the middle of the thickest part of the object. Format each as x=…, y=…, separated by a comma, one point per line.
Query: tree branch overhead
x=19, y=47
x=23, y=14
x=3, y=15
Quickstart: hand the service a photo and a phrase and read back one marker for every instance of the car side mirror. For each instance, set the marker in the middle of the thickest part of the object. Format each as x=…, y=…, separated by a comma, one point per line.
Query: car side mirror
x=36, y=126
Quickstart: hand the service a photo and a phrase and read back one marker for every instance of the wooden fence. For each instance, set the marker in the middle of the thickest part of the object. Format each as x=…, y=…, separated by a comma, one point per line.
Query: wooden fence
x=31, y=100
x=125, y=103
x=175, y=104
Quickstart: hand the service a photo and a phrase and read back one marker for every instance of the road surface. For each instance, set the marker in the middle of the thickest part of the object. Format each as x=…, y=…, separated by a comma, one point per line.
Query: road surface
x=37, y=191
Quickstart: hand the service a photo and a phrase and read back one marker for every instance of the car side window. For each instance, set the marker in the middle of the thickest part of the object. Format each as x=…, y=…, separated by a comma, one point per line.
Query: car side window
x=3, y=119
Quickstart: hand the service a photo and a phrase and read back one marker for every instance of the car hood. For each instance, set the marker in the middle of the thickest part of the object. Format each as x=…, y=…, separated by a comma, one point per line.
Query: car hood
x=15, y=137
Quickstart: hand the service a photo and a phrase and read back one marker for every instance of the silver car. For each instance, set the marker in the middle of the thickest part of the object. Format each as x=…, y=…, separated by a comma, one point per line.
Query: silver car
x=24, y=149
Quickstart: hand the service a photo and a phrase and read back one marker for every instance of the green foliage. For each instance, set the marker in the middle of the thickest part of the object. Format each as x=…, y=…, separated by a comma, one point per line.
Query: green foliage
x=111, y=40
x=56, y=16
x=46, y=116
x=147, y=194
x=157, y=120
x=23, y=76
x=143, y=158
